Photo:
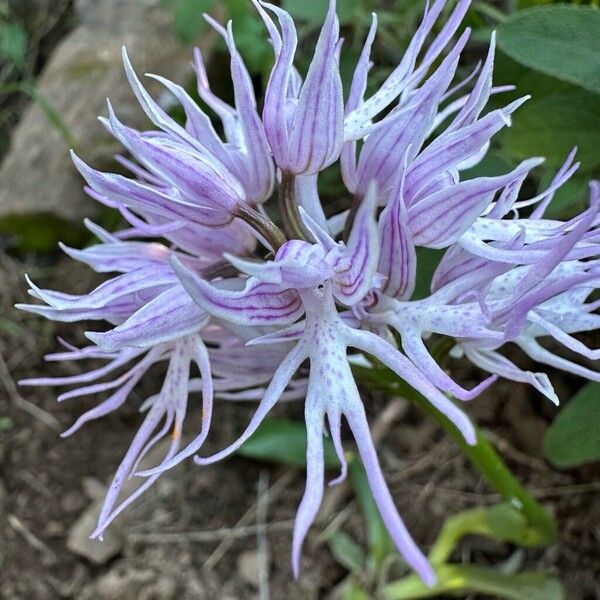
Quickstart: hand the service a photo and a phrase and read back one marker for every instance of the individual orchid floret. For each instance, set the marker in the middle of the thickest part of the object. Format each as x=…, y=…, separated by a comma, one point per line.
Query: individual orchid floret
x=540, y=234
x=245, y=153
x=188, y=174
x=415, y=320
x=168, y=407
x=407, y=128
x=153, y=321
x=304, y=123
x=317, y=275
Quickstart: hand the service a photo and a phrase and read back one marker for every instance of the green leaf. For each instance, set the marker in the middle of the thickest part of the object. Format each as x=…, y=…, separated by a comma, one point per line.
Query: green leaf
x=573, y=438
x=189, y=22
x=427, y=261
x=347, y=552
x=501, y=522
x=248, y=30
x=315, y=10
x=526, y=81
x=378, y=538
x=552, y=125
x=51, y=113
x=13, y=43
x=561, y=41
x=570, y=199
x=468, y=579
x=353, y=591
x=41, y=232
x=493, y=164
x=282, y=441
x=6, y=424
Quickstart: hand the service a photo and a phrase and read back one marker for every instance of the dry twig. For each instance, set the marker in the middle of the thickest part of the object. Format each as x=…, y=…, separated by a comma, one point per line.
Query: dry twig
x=274, y=492
x=30, y=538
x=215, y=535
x=22, y=404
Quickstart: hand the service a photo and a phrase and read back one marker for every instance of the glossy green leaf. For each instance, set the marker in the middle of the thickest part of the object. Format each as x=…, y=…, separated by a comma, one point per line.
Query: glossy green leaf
x=561, y=41
x=573, y=438
x=282, y=441
x=469, y=579
x=552, y=125
x=347, y=552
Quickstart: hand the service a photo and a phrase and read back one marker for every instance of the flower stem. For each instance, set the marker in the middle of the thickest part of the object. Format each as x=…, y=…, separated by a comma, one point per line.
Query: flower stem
x=542, y=530
x=262, y=224
x=288, y=206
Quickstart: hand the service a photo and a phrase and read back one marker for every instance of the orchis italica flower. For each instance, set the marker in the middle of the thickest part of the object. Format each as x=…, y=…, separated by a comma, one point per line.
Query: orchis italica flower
x=270, y=308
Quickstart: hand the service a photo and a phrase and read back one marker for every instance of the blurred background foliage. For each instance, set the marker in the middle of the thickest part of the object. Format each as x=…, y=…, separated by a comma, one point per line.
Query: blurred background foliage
x=29, y=30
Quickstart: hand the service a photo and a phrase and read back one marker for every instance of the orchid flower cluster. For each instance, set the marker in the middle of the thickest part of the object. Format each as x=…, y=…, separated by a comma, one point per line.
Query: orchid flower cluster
x=273, y=302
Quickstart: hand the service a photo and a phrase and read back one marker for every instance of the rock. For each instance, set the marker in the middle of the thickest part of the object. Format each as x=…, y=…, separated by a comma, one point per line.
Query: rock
x=123, y=582
x=100, y=552
x=37, y=176
x=96, y=551
x=247, y=565
x=73, y=501
x=93, y=488
x=164, y=588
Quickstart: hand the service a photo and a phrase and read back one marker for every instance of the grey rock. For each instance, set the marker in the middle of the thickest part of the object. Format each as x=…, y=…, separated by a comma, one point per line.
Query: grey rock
x=96, y=551
x=93, y=488
x=247, y=566
x=114, y=537
x=122, y=582
x=37, y=176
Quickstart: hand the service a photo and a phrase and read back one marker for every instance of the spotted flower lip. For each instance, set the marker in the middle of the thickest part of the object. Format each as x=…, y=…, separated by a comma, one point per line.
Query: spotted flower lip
x=323, y=339
x=246, y=302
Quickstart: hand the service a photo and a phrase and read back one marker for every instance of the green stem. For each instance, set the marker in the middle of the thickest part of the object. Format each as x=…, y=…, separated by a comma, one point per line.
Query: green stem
x=488, y=462
x=467, y=579
x=262, y=224
x=542, y=530
x=288, y=207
